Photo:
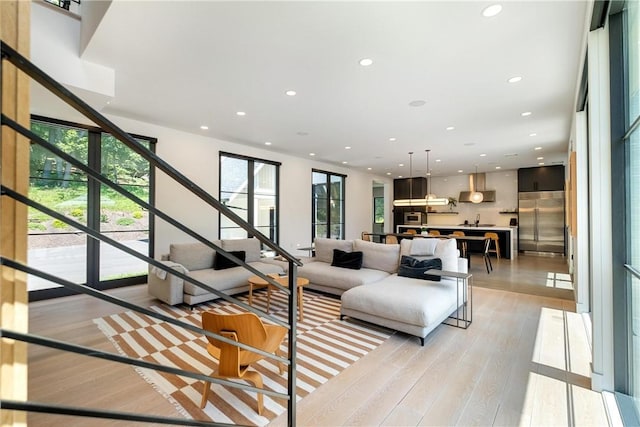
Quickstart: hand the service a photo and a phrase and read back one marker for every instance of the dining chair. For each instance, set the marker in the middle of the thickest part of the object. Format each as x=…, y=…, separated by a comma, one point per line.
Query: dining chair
x=234, y=362
x=494, y=238
x=390, y=239
x=463, y=243
x=434, y=233
x=485, y=255
x=365, y=236
x=411, y=231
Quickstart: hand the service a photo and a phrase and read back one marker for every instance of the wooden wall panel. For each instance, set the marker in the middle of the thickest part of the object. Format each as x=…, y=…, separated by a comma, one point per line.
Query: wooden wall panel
x=15, y=24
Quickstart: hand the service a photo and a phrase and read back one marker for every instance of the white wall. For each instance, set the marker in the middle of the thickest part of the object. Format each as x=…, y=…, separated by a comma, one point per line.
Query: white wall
x=197, y=158
x=505, y=184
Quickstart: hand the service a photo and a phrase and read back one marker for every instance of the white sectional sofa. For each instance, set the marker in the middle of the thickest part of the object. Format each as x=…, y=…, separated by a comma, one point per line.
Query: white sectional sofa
x=199, y=261
x=376, y=294
x=371, y=288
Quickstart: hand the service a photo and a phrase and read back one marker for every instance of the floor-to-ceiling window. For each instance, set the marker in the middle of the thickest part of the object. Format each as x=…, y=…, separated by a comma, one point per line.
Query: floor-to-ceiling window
x=60, y=249
x=624, y=36
x=327, y=205
x=249, y=187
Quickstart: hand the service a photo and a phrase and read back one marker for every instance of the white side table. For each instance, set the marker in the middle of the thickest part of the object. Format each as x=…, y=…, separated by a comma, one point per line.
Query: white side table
x=463, y=315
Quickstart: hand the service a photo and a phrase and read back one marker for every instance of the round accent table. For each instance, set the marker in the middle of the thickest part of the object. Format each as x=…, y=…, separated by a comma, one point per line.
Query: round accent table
x=256, y=282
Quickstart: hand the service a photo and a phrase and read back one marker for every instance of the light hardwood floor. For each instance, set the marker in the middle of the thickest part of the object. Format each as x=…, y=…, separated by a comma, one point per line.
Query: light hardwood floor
x=524, y=361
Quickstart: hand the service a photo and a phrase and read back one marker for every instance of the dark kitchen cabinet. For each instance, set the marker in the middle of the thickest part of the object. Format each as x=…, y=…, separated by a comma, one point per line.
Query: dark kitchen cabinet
x=542, y=178
x=402, y=188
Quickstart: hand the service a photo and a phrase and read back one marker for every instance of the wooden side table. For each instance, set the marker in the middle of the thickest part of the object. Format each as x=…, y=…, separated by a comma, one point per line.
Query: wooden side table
x=256, y=282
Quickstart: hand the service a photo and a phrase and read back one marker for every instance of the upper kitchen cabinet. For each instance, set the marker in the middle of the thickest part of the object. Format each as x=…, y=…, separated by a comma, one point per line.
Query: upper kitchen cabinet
x=402, y=188
x=542, y=178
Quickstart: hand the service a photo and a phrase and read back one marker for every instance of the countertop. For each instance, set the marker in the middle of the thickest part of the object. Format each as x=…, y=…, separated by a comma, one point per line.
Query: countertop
x=464, y=227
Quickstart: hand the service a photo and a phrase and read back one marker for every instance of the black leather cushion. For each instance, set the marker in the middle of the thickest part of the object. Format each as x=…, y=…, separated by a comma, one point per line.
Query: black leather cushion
x=415, y=268
x=220, y=262
x=352, y=260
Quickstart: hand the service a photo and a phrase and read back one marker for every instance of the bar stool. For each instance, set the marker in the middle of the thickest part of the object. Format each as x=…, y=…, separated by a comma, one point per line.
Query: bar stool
x=391, y=239
x=434, y=233
x=494, y=238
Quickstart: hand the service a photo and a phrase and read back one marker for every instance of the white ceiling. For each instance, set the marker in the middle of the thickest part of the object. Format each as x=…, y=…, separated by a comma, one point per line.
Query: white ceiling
x=186, y=64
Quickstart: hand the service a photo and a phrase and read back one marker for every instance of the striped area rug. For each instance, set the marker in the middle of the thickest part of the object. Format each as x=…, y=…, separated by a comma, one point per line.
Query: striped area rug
x=326, y=346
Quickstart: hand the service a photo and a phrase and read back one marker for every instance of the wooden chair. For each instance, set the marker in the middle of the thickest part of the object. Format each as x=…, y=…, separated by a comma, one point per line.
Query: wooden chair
x=234, y=362
x=496, y=247
x=463, y=243
x=411, y=231
x=390, y=239
x=434, y=233
x=365, y=236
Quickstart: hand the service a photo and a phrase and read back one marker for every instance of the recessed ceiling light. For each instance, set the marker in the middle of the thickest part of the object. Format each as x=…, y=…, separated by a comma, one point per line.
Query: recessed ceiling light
x=460, y=171
x=511, y=155
x=344, y=163
x=492, y=10
x=241, y=113
x=347, y=148
x=540, y=158
x=541, y=163
x=302, y=133
x=417, y=103
x=368, y=169
x=438, y=160
x=483, y=155
x=498, y=167
x=365, y=62
x=291, y=93
x=267, y=143
x=392, y=139
x=388, y=173
x=525, y=114
x=450, y=128
x=312, y=154
x=401, y=164
x=515, y=79
x=538, y=148
x=399, y=176
x=203, y=127
x=533, y=134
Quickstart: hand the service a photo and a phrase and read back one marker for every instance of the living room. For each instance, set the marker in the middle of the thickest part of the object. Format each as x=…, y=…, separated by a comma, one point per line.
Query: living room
x=177, y=145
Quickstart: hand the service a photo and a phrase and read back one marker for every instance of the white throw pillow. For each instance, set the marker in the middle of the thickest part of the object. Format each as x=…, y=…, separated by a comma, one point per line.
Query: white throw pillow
x=324, y=248
x=378, y=256
x=423, y=247
x=447, y=251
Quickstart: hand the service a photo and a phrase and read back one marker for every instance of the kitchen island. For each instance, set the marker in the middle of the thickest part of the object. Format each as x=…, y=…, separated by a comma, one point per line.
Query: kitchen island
x=508, y=236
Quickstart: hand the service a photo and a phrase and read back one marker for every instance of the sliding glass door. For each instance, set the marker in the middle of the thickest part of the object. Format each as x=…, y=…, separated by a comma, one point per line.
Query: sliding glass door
x=62, y=250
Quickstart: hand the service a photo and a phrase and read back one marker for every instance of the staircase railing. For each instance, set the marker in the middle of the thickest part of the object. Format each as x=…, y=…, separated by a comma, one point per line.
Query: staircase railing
x=25, y=66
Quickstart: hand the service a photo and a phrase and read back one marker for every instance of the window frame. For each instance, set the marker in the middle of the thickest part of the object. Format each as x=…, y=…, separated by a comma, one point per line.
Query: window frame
x=251, y=190
x=343, y=203
x=94, y=135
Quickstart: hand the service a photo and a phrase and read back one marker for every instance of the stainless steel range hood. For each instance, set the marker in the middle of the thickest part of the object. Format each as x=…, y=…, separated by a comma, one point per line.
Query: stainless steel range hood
x=477, y=181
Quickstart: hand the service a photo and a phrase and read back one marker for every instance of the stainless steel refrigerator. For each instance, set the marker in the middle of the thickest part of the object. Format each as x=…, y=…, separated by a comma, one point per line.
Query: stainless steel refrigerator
x=541, y=221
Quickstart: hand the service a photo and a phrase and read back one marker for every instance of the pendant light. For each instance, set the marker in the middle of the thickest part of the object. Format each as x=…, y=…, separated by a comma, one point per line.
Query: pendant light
x=430, y=198
x=476, y=196
x=410, y=178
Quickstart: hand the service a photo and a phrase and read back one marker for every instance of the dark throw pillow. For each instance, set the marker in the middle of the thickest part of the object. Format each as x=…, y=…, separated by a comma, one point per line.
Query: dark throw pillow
x=221, y=262
x=352, y=260
x=415, y=268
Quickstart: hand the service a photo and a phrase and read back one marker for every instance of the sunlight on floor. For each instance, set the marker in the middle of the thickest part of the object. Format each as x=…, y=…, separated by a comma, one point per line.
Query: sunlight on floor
x=559, y=280
x=559, y=384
